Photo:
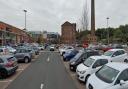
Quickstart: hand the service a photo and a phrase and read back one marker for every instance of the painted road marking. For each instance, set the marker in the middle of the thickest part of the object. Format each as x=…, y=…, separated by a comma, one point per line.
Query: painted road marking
x=4, y=81
x=41, y=86
x=20, y=69
x=48, y=59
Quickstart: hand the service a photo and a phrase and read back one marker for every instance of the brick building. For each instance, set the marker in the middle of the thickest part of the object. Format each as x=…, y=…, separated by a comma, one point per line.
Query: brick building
x=11, y=34
x=68, y=33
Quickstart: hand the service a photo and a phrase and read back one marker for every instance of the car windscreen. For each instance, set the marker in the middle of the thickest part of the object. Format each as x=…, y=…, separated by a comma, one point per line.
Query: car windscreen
x=107, y=74
x=109, y=53
x=78, y=56
x=88, y=62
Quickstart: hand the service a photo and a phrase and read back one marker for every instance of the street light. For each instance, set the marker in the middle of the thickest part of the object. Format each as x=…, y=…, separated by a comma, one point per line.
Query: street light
x=108, y=29
x=25, y=11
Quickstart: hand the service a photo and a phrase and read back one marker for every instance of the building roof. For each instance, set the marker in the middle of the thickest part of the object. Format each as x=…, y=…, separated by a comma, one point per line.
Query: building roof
x=66, y=23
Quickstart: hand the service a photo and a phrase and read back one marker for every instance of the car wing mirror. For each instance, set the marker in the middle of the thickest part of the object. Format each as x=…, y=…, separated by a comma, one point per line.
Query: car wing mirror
x=122, y=82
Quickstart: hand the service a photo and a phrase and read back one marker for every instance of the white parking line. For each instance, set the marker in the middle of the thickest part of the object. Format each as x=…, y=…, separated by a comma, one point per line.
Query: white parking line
x=4, y=81
x=41, y=86
x=48, y=59
x=20, y=69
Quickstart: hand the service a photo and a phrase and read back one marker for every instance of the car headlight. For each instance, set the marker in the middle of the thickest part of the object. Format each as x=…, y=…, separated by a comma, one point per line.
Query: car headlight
x=82, y=72
x=72, y=63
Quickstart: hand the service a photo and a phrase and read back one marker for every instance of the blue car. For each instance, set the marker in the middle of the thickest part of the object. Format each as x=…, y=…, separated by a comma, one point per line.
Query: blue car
x=69, y=55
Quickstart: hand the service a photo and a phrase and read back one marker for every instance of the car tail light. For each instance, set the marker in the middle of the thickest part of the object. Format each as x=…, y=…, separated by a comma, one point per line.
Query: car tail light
x=9, y=64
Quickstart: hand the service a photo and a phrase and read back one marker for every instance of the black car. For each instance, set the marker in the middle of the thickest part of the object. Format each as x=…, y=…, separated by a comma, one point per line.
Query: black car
x=80, y=57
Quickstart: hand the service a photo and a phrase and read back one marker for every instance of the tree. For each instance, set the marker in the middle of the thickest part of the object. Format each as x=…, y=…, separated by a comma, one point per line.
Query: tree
x=85, y=18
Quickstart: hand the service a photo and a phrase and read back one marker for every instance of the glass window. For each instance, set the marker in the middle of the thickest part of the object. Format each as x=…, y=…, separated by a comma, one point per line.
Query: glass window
x=123, y=76
x=117, y=53
x=97, y=64
x=103, y=61
x=109, y=53
x=1, y=61
x=89, y=62
x=107, y=74
x=122, y=52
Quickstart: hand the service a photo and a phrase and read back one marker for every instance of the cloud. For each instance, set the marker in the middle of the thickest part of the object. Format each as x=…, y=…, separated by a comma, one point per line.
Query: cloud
x=50, y=14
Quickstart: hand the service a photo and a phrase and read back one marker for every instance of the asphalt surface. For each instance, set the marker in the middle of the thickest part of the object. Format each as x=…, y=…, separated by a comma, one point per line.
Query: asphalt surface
x=47, y=72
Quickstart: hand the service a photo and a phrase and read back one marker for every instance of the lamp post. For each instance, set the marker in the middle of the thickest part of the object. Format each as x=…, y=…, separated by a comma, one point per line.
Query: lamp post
x=108, y=28
x=25, y=11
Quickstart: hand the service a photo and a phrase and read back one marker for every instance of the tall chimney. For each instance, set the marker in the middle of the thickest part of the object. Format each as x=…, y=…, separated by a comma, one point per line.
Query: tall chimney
x=93, y=17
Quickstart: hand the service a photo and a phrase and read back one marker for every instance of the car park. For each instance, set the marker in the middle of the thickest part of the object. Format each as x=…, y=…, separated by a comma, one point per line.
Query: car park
x=8, y=65
x=80, y=57
x=70, y=55
x=89, y=66
x=116, y=55
x=23, y=55
x=110, y=76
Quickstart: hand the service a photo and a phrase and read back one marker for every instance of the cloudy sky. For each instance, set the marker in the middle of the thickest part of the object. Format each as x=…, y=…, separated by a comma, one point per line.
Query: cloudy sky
x=50, y=14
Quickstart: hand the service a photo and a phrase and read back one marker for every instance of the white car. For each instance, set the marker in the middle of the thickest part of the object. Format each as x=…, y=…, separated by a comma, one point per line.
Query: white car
x=116, y=55
x=89, y=66
x=110, y=76
x=62, y=51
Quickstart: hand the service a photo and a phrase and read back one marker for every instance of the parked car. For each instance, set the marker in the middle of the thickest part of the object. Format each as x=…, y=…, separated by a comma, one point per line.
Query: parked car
x=4, y=51
x=23, y=55
x=110, y=76
x=11, y=50
x=70, y=55
x=80, y=57
x=41, y=47
x=36, y=49
x=8, y=65
x=62, y=50
x=89, y=66
x=52, y=48
x=116, y=55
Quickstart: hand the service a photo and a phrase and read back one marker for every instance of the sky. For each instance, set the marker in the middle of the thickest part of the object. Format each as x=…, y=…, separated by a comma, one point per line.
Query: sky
x=49, y=15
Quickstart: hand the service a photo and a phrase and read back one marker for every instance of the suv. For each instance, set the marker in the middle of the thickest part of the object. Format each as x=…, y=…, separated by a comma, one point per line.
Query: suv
x=23, y=55
x=89, y=66
x=80, y=57
x=110, y=76
x=8, y=65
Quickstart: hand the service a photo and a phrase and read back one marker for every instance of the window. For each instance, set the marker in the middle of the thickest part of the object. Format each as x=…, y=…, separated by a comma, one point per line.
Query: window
x=103, y=61
x=117, y=53
x=1, y=61
x=97, y=64
x=121, y=52
x=122, y=76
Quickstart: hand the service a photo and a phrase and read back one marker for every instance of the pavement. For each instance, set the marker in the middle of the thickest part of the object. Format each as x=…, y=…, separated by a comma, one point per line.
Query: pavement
x=46, y=72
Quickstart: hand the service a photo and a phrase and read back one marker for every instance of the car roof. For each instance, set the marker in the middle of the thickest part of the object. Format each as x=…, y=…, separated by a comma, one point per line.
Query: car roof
x=118, y=66
x=116, y=49
x=98, y=57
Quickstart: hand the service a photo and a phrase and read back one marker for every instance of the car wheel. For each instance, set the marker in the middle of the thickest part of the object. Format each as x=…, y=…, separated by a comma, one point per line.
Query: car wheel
x=26, y=60
x=126, y=60
x=3, y=73
x=86, y=78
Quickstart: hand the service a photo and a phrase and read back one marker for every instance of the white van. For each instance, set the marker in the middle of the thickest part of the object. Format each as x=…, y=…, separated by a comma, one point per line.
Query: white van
x=110, y=76
x=90, y=66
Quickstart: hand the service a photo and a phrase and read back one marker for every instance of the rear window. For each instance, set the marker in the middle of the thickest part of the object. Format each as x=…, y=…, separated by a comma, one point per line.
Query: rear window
x=11, y=59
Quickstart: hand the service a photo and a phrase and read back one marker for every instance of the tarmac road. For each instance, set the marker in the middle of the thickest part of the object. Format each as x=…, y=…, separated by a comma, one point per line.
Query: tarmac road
x=47, y=72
